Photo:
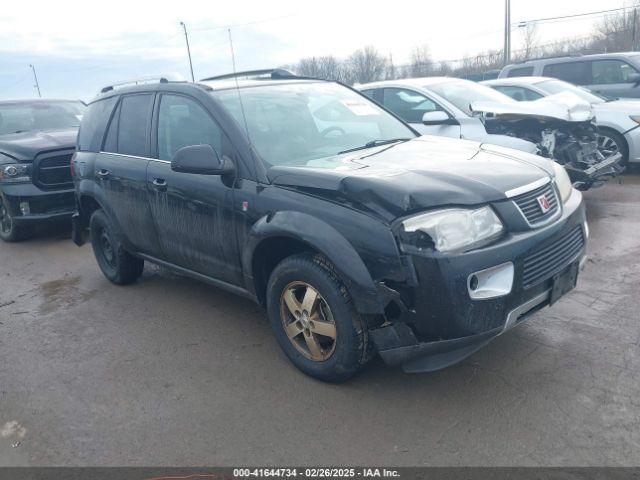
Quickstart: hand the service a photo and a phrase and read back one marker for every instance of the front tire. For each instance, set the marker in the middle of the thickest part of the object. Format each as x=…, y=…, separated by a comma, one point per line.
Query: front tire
x=9, y=231
x=314, y=319
x=118, y=265
x=611, y=142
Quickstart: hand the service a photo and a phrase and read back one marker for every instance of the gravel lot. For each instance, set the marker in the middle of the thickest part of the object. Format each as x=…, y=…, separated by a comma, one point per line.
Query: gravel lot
x=170, y=371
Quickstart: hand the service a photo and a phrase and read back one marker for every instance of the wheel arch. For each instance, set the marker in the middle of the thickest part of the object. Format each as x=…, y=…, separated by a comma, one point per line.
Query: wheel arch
x=275, y=237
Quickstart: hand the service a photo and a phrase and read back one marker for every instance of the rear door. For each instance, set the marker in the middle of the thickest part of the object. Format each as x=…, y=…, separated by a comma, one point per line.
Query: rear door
x=193, y=213
x=121, y=170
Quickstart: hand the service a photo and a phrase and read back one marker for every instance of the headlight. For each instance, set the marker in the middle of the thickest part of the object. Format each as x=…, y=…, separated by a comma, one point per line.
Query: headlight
x=456, y=228
x=635, y=118
x=15, y=172
x=562, y=181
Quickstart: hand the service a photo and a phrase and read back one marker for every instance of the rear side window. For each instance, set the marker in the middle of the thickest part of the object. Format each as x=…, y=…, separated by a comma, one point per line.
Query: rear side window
x=518, y=93
x=133, y=125
x=520, y=72
x=94, y=122
x=573, y=72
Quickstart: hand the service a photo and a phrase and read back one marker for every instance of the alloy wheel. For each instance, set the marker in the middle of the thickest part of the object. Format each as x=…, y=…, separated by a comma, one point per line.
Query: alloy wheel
x=607, y=146
x=108, y=251
x=308, y=321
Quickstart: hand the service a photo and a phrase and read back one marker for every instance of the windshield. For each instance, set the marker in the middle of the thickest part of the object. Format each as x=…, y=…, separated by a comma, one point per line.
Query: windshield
x=462, y=93
x=297, y=124
x=29, y=116
x=558, y=86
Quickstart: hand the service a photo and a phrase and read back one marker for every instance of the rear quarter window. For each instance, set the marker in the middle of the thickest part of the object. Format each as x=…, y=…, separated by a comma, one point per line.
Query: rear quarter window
x=520, y=72
x=94, y=122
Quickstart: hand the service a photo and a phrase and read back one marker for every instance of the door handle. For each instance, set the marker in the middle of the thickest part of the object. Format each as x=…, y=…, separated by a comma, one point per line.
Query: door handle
x=159, y=184
x=103, y=173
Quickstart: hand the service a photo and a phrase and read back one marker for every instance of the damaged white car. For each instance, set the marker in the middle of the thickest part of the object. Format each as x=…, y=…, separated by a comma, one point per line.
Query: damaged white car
x=561, y=127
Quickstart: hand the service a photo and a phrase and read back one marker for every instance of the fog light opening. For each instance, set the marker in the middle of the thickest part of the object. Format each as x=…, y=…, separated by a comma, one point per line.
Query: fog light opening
x=491, y=282
x=24, y=208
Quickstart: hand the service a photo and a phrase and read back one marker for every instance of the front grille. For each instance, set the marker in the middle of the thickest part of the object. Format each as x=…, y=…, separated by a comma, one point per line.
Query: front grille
x=53, y=172
x=530, y=207
x=545, y=263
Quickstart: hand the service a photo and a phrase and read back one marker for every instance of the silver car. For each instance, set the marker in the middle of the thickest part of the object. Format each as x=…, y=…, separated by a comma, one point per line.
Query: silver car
x=611, y=75
x=618, y=120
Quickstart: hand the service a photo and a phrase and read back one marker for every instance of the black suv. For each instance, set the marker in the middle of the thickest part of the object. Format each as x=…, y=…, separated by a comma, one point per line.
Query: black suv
x=37, y=140
x=356, y=234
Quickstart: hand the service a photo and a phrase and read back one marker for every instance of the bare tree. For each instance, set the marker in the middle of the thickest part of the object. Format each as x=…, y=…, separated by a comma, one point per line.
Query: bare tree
x=309, y=67
x=529, y=41
x=366, y=65
x=421, y=64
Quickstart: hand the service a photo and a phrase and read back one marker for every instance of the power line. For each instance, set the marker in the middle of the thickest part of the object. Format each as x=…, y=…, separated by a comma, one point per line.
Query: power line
x=566, y=17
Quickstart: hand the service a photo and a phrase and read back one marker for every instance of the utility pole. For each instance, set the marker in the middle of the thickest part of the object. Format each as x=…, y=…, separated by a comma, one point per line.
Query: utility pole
x=633, y=29
x=186, y=37
x=35, y=77
x=507, y=31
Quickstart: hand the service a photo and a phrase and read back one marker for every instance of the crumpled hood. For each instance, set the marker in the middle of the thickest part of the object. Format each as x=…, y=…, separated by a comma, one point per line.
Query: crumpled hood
x=25, y=146
x=565, y=106
x=423, y=173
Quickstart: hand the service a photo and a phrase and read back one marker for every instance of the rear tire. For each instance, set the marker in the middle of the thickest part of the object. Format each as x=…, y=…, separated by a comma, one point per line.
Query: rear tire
x=118, y=265
x=324, y=336
x=9, y=231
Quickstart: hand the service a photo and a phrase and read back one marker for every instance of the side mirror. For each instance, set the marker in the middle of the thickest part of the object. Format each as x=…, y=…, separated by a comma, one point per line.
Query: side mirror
x=200, y=159
x=437, y=117
x=634, y=78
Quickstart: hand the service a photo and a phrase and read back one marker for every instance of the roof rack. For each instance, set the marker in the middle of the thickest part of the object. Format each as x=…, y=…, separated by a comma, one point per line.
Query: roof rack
x=136, y=81
x=273, y=73
x=550, y=57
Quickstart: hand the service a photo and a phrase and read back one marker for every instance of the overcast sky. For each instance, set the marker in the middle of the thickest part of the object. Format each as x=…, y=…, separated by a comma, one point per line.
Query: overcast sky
x=80, y=46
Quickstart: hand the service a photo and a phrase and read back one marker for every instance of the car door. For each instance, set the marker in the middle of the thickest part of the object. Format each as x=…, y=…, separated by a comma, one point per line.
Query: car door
x=612, y=79
x=121, y=170
x=411, y=105
x=193, y=213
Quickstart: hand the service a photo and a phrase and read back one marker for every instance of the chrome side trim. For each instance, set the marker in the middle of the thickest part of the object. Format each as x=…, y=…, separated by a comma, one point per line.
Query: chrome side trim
x=527, y=188
x=517, y=312
x=134, y=156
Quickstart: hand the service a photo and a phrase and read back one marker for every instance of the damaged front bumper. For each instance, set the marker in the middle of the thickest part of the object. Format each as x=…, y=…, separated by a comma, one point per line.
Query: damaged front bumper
x=595, y=174
x=442, y=324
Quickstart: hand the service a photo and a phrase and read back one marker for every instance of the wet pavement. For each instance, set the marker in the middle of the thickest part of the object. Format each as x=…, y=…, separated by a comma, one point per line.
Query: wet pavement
x=170, y=371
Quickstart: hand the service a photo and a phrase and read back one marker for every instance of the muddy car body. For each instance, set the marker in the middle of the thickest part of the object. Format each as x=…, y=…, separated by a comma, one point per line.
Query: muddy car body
x=356, y=234
x=463, y=109
x=37, y=140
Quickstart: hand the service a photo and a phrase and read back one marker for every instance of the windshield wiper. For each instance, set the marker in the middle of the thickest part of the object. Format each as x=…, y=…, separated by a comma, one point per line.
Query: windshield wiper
x=374, y=143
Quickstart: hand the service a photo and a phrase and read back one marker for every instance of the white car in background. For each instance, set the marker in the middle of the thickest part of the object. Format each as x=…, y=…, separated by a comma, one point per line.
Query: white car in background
x=618, y=120
x=426, y=106
x=561, y=127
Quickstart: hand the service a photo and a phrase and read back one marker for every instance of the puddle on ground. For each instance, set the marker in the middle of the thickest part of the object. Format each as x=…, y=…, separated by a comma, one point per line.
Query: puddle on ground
x=61, y=293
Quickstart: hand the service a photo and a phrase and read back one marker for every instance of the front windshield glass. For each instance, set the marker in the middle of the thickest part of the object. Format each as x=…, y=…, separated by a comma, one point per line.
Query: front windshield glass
x=17, y=117
x=558, y=86
x=298, y=124
x=462, y=93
